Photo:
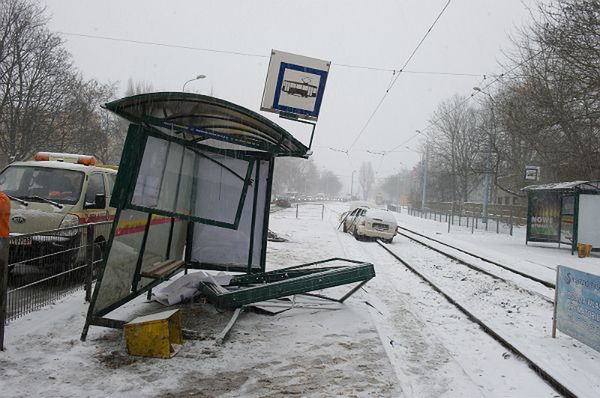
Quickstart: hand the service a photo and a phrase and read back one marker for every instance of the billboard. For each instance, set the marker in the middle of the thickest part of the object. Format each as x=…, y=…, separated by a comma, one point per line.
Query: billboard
x=295, y=85
x=577, y=305
x=544, y=216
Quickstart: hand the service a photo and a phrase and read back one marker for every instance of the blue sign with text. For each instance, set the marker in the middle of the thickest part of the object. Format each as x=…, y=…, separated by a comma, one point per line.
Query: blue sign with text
x=578, y=305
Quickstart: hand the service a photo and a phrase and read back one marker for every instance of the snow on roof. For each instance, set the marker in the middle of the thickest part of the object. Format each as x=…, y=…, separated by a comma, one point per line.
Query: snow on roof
x=53, y=164
x=383, y=214
x=565, y=186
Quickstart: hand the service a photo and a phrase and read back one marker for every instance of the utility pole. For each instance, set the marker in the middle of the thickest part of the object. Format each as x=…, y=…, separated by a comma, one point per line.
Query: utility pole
x=352, y=185
x=488, y=160
x=424, y=193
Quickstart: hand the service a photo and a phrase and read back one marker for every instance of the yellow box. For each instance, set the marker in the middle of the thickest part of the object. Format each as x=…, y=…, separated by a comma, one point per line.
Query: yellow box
x=155, y=335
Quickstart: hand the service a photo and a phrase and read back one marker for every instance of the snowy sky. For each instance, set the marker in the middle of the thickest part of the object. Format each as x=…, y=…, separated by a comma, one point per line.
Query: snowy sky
x=469, y=38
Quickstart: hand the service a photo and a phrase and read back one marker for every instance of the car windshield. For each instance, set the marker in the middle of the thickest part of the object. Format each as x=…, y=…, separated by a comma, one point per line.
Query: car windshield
x=59, y=185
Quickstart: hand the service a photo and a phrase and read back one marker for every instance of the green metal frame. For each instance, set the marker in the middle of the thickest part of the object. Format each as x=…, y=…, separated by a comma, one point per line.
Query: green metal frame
x=128, y=172
x=256, y=132
x=292, y=280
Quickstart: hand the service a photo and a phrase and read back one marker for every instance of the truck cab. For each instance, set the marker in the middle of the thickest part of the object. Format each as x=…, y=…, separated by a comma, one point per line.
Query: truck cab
x=56, y=190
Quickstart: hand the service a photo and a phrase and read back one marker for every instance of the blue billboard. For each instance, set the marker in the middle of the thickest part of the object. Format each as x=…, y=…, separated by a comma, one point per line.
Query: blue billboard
x=577, y=307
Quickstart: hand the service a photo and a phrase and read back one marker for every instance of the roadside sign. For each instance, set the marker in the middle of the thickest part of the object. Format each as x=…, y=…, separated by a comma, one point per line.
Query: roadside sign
x=577, y=305
x=532, y=173
x=295, y=85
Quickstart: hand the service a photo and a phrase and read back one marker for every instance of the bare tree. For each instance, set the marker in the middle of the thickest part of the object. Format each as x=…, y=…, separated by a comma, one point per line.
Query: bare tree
x=44, y=103
x=329, y=183
x=456, y=148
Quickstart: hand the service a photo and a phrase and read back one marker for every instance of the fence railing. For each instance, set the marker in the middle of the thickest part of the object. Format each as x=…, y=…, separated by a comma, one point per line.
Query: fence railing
x=500, y=218
x=310, y=210
x=47, y=265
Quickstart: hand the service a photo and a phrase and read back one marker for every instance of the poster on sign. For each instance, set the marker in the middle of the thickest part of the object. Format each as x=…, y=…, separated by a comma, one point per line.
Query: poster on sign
x=295, y=85
x=577, y=305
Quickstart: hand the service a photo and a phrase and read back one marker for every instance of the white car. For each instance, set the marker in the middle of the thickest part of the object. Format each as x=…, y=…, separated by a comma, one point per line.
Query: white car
x=363, y=222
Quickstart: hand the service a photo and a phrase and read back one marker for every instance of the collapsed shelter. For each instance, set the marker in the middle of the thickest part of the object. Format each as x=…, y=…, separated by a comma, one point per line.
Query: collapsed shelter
x=193, y=192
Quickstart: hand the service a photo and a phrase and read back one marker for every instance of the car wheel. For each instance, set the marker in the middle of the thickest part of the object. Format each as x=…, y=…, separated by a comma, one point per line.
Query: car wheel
x=356, y=234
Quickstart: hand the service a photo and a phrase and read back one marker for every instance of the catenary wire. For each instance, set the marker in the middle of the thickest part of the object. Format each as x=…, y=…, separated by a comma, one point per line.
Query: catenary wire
x=248, y=54
x=363, y=129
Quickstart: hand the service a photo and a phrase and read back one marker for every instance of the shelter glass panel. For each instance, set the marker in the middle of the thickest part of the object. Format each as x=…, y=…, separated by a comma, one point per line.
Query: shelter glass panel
x=588, y=219
x=231, y=248
x=157, y=244
x=170, y=178
x=147, y=186
x=120, y=266
x=219, y=185
x=195, y=183
x=186, y=184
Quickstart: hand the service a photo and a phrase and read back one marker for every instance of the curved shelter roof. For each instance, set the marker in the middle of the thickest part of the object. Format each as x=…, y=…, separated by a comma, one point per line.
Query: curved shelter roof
x=208, y=120
x=570, y=186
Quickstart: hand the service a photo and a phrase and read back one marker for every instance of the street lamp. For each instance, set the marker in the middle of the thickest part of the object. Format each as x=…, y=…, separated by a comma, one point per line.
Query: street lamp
x=488, y=160
x=191, y=80
x=424, y=192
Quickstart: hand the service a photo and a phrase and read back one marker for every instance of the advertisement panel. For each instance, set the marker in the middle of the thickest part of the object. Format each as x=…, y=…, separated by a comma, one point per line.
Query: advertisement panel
x=577, y=305
x=544, y=216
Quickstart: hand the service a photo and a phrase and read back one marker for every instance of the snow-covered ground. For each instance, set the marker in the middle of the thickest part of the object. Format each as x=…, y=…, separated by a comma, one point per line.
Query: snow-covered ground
x=394, y=337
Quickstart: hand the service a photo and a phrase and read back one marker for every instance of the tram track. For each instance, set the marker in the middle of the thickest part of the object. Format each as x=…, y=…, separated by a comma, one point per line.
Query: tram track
x=486, y=326
x=476, y=256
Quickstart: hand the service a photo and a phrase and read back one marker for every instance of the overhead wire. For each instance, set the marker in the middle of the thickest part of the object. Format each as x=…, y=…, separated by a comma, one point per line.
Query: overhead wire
x=394, y=80
x=249, y=54
x=467, y=99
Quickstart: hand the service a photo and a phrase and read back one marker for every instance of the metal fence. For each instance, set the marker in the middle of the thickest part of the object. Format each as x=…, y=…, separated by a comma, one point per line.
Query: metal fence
x=310, y=210
x=47, y=265
x=502, y=219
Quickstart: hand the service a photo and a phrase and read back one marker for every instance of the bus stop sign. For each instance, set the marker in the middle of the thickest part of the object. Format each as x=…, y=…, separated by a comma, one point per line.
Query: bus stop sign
x=295, y=85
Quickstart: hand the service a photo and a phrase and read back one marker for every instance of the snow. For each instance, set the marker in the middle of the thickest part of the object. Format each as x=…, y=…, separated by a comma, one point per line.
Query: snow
x=394, y=337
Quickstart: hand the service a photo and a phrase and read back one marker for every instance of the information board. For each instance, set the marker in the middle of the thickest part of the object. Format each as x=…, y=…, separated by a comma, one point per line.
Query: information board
x=577, y=305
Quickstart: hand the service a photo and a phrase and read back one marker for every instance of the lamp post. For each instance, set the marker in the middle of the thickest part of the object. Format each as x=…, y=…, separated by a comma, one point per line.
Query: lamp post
x=352, y=185
x=488, y=160
x=191, y=80
x=424, y=188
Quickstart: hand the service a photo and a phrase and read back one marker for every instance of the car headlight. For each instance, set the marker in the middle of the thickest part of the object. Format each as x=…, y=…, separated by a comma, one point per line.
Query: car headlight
x=70, y=220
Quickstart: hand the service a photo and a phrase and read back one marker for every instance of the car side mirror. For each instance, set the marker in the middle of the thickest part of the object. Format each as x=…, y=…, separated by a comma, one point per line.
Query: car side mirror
x=99, y=202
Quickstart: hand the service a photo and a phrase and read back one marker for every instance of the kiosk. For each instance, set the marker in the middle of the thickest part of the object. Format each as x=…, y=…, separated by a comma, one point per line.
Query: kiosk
x=193, y=192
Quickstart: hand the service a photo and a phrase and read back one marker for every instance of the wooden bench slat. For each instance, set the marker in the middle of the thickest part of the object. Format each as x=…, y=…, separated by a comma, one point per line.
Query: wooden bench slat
x=161, y=269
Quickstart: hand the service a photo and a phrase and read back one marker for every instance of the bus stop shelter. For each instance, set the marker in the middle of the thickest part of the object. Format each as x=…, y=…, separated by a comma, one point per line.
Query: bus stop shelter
x=564, y=213
x=193, y=192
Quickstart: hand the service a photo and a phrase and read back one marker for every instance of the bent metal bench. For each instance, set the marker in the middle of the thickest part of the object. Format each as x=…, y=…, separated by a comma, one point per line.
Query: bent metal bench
x=193, y=192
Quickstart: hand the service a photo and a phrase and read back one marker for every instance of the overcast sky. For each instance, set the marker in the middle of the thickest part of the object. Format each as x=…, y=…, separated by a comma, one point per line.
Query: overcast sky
x=469, y=38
